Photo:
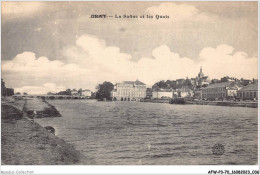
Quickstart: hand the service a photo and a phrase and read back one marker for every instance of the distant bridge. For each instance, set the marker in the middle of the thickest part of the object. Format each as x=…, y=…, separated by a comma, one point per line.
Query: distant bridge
x=51, y=96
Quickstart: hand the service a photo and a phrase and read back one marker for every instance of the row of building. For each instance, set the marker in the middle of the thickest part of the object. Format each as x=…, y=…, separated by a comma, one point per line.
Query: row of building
x=136, y=90
x=183, y=92
x=81, y=93
x=227, y=90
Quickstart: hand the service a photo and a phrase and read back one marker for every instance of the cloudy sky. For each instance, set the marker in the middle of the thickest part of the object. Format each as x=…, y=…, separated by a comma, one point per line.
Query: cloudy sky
x=52, y=46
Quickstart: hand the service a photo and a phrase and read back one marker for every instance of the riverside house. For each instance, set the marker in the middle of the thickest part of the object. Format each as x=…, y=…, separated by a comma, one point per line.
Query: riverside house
x=74, y=92
x=183, y=92
x=248, y=92
x=162, y=93
x=86, y=93
x=129, y=91
x=223, y=90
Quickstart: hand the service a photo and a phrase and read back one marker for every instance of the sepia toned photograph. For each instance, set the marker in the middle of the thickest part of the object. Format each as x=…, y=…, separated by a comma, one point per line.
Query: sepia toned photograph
x=129, y=83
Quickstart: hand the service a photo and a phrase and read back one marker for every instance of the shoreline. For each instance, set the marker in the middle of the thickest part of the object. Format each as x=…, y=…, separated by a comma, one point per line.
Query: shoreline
x=225, y=103
x=212, y=103
x=25, y=142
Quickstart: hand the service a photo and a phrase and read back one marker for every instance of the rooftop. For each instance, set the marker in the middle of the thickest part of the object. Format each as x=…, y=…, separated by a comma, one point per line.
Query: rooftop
x=250, y=87
x=218, y=85
x=85, y=90
x=137, y=82
x=163, y=90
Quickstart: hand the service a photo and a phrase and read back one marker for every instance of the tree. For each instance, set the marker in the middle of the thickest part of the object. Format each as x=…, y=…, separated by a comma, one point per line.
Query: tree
x=104, y=90
x=172, y=84
x=80, y=91
x=3, y=88
x=188, y=83
x=67, y=92
x=93, y=95
x=160, y=85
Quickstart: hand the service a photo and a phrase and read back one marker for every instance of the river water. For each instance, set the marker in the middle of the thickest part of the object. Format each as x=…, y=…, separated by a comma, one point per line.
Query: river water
x=134, y=133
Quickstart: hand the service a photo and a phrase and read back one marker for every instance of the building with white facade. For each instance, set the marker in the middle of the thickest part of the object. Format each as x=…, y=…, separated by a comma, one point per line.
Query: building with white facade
x=183, y=92
x=248, y=92
x=74, y=92
x=86, y=93
x=221, y=90
x=129, y=91
x=159, y=94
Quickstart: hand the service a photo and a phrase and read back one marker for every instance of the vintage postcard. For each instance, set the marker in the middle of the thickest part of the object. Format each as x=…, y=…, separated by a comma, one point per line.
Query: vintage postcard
x=129, y=83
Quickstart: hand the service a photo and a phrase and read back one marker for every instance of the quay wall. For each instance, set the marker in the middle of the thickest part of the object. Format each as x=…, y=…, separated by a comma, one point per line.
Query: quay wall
x=226, y=103
x=39, y=108
x=215, y=103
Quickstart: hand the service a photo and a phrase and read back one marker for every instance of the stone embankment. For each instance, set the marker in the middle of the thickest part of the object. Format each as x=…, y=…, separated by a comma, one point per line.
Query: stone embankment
x=39, y=108
x=249, y=104
x=25, y=142
x=156, y=100
x=226, y=103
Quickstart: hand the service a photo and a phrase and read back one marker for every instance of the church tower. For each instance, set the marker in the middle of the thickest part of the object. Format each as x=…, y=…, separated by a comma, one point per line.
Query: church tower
x=200, y=75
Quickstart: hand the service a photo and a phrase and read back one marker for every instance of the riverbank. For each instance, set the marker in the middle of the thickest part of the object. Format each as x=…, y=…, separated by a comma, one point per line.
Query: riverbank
x=214, y=103
x=156, y=100
x=226, y=103
x=25, y=142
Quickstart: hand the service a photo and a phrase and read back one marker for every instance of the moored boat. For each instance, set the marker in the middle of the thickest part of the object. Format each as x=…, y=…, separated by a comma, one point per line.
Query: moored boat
x=177, y=101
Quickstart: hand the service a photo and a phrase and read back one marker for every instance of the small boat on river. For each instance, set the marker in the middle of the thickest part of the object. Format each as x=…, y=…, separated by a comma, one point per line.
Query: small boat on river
x=177, y=101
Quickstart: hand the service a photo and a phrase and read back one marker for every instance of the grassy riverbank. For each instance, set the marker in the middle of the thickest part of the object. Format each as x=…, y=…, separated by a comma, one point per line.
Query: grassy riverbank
x=24, y=142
